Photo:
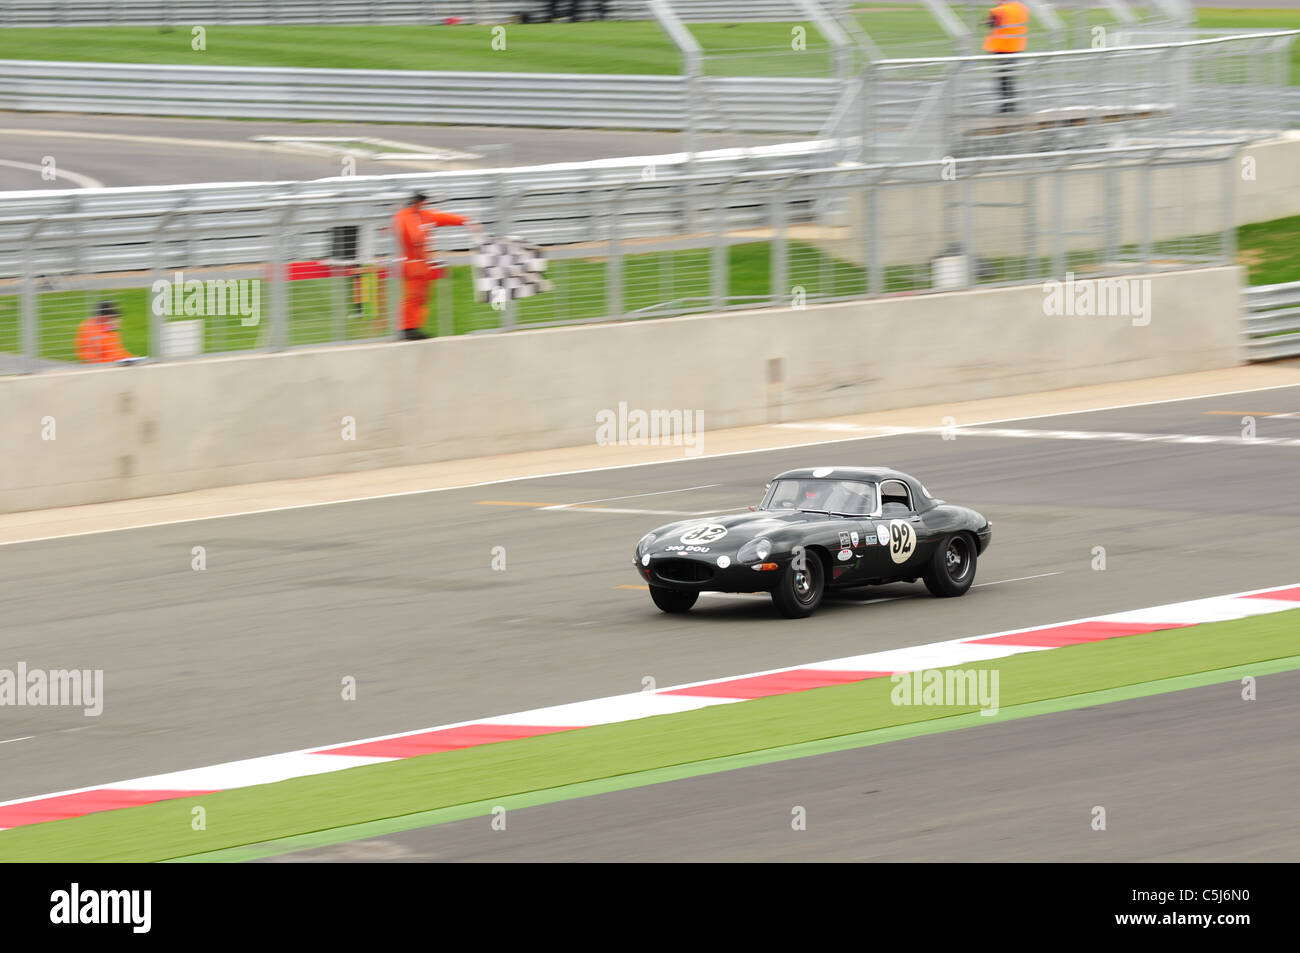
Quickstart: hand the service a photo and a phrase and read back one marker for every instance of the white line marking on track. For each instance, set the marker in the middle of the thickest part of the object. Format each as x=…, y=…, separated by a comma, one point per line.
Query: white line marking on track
x=614, y=509
x=12, y=740
x=77, y=178
x=617, y=466
x=1017, y=579
x=1039, y=434
x=631, y=496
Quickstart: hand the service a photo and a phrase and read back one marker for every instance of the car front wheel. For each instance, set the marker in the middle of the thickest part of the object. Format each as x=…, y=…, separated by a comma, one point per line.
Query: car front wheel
x=952, y=567
x=800, y=590
x=673, y=600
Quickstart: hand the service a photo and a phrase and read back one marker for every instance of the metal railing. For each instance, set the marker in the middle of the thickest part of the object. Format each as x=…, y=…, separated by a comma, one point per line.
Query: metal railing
x=322, y=262
x=1027, y=102
x=1271, y=321
x=793, y=105
x=910, y=109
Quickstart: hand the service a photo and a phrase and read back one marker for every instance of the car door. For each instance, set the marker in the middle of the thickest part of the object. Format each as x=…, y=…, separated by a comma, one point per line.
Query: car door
x=901, y=536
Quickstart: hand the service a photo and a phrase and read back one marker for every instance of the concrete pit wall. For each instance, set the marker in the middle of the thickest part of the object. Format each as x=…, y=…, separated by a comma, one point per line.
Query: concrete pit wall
x=129, y=432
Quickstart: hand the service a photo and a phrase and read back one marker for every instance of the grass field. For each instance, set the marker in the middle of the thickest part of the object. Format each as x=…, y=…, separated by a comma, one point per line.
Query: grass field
x=638, y=47
x=473, y=776
x=1270, y=250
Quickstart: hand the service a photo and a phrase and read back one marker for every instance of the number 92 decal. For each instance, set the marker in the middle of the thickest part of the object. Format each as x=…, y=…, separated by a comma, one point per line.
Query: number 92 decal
x=901, y=540
x=705, y=533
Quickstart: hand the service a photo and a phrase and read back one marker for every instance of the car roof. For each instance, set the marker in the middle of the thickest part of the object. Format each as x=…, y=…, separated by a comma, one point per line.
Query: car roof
x=871, y=474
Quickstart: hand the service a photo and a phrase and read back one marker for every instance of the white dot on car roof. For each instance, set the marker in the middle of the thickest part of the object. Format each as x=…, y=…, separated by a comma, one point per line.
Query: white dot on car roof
x=822, y=471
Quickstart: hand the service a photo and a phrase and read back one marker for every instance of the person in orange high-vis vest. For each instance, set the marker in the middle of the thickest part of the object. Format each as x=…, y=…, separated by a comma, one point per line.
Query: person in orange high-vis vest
x=413, y=229
x=98, y=340
x=1008, y=25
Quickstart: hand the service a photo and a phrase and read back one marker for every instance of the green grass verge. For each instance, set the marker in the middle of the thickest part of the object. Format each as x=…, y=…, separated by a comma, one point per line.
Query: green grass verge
x=360, y=795
x=1270, y=250
x=612, y=47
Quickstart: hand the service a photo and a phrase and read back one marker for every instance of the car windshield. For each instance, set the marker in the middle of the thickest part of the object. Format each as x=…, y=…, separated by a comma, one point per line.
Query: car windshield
x=848, y=497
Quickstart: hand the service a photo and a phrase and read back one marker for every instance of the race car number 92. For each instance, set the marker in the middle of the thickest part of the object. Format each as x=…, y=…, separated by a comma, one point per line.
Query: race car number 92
x=705, y=533
x=902, y=541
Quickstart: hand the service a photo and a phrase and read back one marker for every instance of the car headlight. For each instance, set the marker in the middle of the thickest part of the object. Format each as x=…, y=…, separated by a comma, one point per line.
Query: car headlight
x=645, y=541
x=756, y=550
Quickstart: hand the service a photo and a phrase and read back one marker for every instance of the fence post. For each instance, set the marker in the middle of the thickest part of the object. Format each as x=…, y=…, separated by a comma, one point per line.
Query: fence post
x=1058, y=219
x=614, y=267
x=1032, y=267
x=446, y=300
x=279, y=334
x=1146, y=212
x=875, y=267
x=718, y=257
x=158, y=258
x=27, y=302
x=780, y=263
x=505, y=202
x=966, y=189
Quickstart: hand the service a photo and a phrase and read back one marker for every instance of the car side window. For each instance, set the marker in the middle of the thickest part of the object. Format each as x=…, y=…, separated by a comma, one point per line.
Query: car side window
x=895, y=498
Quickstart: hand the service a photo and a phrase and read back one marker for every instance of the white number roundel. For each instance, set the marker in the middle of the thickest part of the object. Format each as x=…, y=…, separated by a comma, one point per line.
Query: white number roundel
x=900, y=537
x=704, y=533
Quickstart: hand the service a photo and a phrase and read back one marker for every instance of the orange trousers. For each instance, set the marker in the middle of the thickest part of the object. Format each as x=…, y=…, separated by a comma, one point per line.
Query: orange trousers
x=416, y=278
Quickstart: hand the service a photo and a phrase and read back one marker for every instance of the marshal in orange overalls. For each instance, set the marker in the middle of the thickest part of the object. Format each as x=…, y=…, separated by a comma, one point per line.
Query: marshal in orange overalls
x=1008, y=28
x=413, y=227
x=99, y=343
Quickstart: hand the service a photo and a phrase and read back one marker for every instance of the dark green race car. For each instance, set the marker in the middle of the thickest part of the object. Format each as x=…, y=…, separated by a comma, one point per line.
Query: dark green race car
x=818, y=529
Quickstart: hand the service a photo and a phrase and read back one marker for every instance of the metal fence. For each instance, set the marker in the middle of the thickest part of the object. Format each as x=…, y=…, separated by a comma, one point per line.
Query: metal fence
x=906, y=109
x=1272, y=321
x=792, y=105
x=1029, y=102
x=319, y=262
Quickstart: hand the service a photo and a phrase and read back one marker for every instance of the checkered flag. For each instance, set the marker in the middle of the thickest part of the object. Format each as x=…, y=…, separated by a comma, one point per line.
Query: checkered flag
x=508, y=268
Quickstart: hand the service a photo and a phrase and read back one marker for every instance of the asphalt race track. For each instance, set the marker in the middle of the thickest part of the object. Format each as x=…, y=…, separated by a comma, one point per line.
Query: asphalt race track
x=1194, y=778
x=246, y=657
x=164, y=151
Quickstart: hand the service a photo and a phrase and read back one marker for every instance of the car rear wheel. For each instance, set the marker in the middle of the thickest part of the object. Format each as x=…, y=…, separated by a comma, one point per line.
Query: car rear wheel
x=952, y=567
x=673, y=600
x=800, y=591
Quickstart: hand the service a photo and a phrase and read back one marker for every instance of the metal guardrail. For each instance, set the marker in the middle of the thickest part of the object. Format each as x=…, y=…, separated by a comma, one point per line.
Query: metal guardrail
x=911, y=108
x=1271, y=321
x=798, y=106
x=665, y=244
x=227, y=216
x=1024, y=102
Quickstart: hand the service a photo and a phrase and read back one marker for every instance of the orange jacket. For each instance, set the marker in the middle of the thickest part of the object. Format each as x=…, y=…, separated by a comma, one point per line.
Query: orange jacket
x=413, y=229
x=97, y=343
x=1011, y=33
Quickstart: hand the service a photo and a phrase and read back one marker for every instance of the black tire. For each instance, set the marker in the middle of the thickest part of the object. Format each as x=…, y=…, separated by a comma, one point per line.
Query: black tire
x=952, y=567
x=800, y=592
x=673, y=600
